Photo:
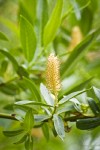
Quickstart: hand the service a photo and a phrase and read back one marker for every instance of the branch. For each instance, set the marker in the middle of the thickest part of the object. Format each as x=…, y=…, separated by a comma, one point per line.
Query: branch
x=8, y=116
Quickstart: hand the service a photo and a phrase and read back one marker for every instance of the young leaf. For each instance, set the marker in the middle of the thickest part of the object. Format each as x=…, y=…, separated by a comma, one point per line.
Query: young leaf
x=3, y=36
x=46, y=95
x=59, y=126
x=53, y=23
x=11, y=58
x=33, y=88
x=28, y=38
x=72, y=95
x=27, y=102
x=29, y=120
x=45, y=131
x=13, y=133
x=21, y=140
x=29, y=143
x=97, y=92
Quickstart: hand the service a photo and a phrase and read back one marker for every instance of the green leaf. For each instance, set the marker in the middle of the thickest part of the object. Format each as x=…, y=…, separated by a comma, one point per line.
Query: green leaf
x=77, y=87
x=27, y=102
x=97, y=92
x=11, y=58
x=22, y=71
x=40, y=118
x=53, y=23
x=13, y=133
x=29, y=143
x=89, y=123
x=59, y=126
x=72, y=95
x=43, y=17
x=28, y=9
x=28, y=38
x=21, y=140
x=3, y=36
x=46, y=95
x=33, y=88
x=94, y=107
x=29, y=120
x=77, y=53
x=45, y=130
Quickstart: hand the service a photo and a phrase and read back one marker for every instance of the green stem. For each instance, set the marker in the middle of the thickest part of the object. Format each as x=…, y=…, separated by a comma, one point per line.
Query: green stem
x=8, y=116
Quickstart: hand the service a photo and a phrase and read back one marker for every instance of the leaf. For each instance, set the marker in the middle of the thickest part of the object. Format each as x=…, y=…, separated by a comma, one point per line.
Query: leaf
x=21, y=140
x=28, y=38
x=46, y=95
x=3, y=36
x=43, y=17
x=28, y=9
x=72, y=95
x=11, y=58
x=89, y=123
x=59, y=126
x=97, y=92
x=33, y=88
x=27, y=102
x=94, y=107
x=40, y=118
x=45, y=130
x=29, y=143
x=53, y=23
x=29, y=120
x=22, y=71
x=77, y=53
x=13, y=133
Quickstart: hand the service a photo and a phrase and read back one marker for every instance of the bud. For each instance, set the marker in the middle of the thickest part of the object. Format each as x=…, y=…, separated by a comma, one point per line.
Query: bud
x=53, y=74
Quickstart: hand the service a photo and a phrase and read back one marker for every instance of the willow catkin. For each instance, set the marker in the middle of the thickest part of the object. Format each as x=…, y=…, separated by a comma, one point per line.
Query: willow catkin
x=53, y=74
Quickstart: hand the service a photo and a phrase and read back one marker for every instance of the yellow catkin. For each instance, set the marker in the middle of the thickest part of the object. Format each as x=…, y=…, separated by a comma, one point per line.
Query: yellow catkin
x=76, y=37
x=53, y=74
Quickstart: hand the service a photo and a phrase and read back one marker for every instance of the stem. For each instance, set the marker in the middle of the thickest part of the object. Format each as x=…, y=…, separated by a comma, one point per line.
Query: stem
x=8, y=116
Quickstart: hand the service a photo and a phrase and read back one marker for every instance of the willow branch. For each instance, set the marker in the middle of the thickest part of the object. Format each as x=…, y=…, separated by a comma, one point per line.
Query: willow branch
x=8, y=116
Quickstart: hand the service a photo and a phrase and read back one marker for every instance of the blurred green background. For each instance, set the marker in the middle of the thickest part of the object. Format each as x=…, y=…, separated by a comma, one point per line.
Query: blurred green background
x=79, y=18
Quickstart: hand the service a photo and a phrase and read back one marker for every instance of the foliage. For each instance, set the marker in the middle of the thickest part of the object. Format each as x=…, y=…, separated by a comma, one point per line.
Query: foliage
x=44, y=27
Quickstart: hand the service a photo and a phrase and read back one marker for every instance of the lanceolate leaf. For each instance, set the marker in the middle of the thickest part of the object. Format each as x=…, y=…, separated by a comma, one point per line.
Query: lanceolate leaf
x=46, y=95
x=33, y=88
x=29, y=120
x=3, y=36
x=59, y=126
x=13, y=133
x=53, y=23
x=68, y=97
x=11, y=58
x=45, y=130
x=28, y=38
x=77, y=53
x=97, y=92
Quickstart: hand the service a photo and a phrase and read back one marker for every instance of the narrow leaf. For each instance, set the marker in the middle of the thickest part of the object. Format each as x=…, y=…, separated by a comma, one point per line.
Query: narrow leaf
x=3, y=36
x=33, y=88
x=59, y=126
x=72, y=95
x=29, y=120
x=11, y=58
x=28, y=38
x=53, y=23
x=45, y=131
x=46, y=95
x=97, y=92
x=12, y=133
